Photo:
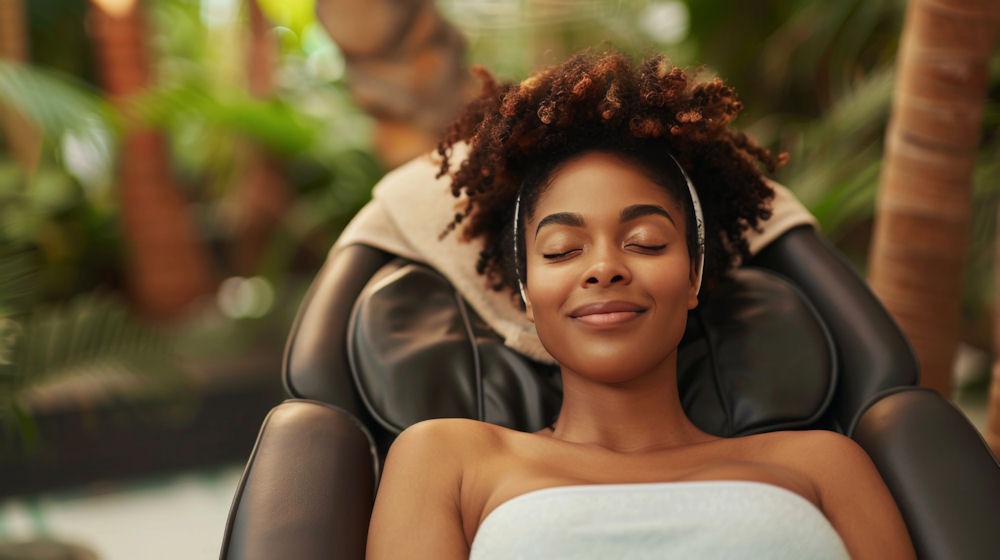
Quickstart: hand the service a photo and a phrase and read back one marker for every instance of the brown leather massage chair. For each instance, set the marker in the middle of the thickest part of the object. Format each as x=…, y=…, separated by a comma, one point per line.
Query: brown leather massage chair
x=794, y=340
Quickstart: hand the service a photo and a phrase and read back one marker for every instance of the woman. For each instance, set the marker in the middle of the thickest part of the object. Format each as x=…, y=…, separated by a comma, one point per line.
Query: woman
x=579, y=183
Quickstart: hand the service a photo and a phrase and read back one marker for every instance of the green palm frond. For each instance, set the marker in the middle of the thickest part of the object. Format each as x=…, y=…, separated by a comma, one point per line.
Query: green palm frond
x=273, y=123
x=91, y=346
x=19, y=279
x=835, y=165
x=56, y=103
x=93, y=334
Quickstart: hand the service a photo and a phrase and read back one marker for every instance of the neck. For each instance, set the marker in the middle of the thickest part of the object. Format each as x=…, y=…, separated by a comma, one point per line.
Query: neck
x=643, y=414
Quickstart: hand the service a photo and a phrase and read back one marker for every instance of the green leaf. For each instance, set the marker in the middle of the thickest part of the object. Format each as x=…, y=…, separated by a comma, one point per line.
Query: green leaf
x=91, y=346
x=55, y=102
x=20, y=271
x=293, y=14
x=52, y=191
x=272, y=123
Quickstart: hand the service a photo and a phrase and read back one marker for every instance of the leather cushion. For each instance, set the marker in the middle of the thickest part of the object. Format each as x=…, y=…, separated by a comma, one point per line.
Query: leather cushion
x=418, y=351
x=755, y=357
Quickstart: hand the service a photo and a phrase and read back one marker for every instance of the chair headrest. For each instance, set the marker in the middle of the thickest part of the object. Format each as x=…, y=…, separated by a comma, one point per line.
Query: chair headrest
x=755, y=357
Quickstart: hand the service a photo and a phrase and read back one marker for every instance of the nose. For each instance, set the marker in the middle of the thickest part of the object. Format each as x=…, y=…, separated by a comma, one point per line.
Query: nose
x=607, y=268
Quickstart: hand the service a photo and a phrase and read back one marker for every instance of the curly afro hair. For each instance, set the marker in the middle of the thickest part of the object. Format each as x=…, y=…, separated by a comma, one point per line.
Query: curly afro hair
x=518, y=134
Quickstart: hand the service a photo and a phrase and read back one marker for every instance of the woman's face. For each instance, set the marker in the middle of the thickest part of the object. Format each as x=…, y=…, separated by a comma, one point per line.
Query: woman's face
x=609, y=278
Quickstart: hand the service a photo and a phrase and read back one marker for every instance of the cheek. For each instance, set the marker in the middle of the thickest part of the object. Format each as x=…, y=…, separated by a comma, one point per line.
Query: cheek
x=543, y=293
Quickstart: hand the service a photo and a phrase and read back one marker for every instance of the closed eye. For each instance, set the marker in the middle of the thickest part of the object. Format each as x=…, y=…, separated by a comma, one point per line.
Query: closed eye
x=560, y=255
x=647, y=248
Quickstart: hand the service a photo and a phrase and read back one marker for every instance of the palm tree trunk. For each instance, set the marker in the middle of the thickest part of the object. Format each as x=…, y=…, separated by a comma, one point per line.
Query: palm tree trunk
x=23, y=138
x=918, y=254
x=168, y=264
x=13, y=30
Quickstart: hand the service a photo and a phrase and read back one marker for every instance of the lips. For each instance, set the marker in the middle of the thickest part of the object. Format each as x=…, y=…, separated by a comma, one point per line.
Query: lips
x=607, y=313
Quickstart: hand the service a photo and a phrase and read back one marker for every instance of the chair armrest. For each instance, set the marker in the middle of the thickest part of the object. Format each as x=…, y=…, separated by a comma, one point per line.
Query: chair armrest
x=308, y=488
x=872, y=352
x=937, y=466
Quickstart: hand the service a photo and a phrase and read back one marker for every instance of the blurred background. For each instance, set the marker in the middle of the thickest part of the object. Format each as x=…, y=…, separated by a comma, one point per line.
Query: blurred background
x=173, y=172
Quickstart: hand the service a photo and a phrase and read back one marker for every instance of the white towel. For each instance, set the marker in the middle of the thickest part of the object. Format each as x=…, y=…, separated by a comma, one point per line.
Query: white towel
x=703, y=520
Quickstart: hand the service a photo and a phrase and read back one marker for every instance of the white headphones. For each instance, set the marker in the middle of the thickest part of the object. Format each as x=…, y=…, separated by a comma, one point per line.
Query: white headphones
x=699, y=228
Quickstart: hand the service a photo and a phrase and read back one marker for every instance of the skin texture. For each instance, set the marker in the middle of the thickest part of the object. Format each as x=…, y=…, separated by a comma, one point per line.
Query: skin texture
x=621, y=420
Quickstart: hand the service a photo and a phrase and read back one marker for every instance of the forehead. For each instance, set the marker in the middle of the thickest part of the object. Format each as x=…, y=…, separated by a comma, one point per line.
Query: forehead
x=599, y=180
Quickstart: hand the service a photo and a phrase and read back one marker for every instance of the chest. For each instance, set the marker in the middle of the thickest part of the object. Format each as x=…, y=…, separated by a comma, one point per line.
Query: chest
x=506, y=476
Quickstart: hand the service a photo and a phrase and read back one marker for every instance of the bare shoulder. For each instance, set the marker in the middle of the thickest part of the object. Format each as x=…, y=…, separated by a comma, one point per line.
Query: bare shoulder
x=442, y=448
x=441, y=430
x=831, y=458
x=852, y=494
x=809, y=452
x=802, y=440
x=418, y=504
x=834, y=464
x=457, y=436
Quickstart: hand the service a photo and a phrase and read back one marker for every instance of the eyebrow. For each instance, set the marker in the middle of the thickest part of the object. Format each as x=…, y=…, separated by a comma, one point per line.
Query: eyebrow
x=637, y=211
x=628, y=214
x=560, y=218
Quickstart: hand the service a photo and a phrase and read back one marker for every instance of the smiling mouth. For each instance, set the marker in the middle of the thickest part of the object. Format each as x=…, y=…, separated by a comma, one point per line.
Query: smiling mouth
x=606, y=313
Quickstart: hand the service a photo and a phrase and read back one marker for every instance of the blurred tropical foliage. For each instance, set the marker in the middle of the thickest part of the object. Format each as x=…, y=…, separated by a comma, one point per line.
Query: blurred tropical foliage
x=816, y=77
x=65, y=309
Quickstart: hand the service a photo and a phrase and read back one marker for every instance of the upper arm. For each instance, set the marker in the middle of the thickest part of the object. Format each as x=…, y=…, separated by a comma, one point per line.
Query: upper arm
x=856, y=500
x=417, y=510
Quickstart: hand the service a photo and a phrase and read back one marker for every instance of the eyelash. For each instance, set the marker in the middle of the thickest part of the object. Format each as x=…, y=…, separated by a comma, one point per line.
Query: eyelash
x=650, y=248
x=556, y=256
x=647, y=248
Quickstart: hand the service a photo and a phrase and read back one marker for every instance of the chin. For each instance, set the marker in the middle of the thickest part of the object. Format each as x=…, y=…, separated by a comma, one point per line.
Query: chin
x=609, y=364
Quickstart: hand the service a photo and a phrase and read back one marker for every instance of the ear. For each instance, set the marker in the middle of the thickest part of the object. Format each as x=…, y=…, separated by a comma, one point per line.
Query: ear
x=528, y=311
